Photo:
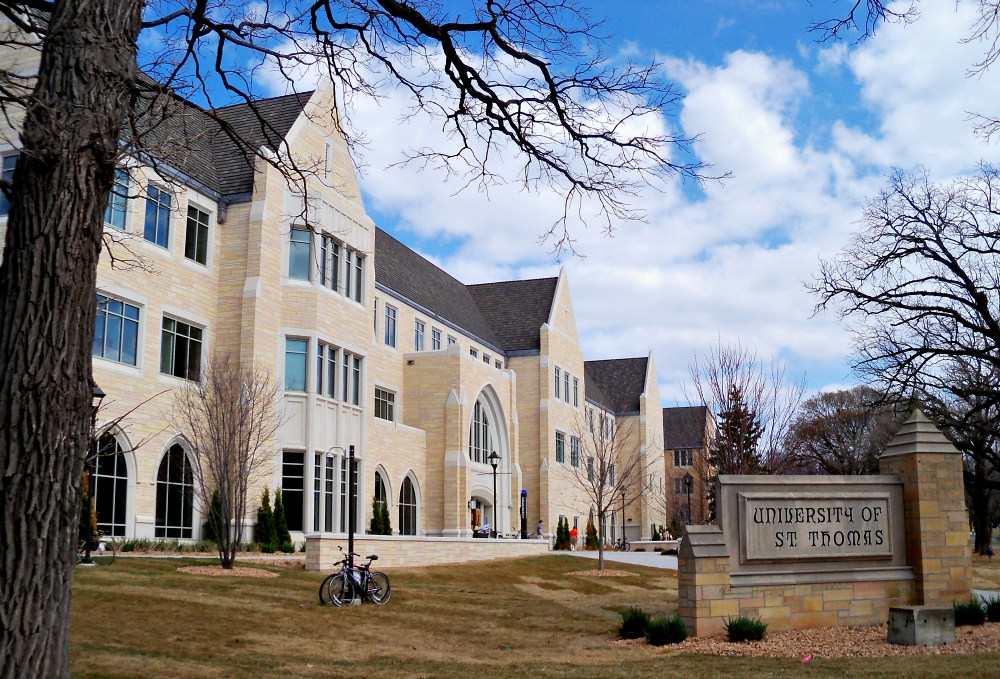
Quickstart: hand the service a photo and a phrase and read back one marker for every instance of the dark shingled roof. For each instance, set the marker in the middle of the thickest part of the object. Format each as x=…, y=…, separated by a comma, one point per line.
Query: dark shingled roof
x=684, y=427
x=621, y=380
x=408, y=274
x=516, y=310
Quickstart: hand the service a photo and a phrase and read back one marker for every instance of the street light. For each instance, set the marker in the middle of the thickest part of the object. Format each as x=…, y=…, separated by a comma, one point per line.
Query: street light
x=494, y=461
x=689, y=481
x=623, y=517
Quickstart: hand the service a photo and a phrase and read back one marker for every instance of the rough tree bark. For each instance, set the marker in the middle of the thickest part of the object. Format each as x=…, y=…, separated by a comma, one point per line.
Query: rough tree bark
x=70, y=144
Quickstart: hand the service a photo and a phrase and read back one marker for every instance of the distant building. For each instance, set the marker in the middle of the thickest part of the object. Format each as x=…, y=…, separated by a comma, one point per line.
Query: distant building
x=687, y=435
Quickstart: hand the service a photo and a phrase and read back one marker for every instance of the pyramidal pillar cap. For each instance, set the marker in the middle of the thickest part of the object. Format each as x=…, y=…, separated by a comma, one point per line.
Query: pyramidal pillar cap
x=919, y=435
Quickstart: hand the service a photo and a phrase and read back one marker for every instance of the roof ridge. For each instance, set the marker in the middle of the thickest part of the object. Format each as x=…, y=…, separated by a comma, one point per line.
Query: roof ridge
x=257, y=101
x=513, y=280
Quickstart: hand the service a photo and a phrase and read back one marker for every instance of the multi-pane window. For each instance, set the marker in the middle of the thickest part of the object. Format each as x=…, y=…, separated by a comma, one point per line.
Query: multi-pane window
x=486, y=359
x=683, y=458
x=344, y=464
x=435, y=339
x=418, y=336
x=375, y=315
x=196, y=239
x=7, y=166
x=180, y=350
x=354, y=274
x=299, y=254
x=574, y=451
x=157, y=226
x=498, y=365
x=590, y=471
x=560, y=447
x=323, y=491
x=614, y=469
x=329, y=481
x=295, y=364
x=390, y=326
x=566, y=387
x=114, y=214
x=680, y=488
x=576, y=392
x=385, y=402
x=326, y=370
x=407, y=508
x=116, y=331
x=479, y=435
x=329, y=265
x=473, y=352
x=359, y=277
x=590, y=420
x=558, y=382
x=293, y=472
x=109, y=486
x=452, y=340
x=381, y=495
x=174, y=495
x=352, y=379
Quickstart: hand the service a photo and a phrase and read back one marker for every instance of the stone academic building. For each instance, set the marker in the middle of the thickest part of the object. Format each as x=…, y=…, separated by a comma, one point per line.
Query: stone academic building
x=370, y=344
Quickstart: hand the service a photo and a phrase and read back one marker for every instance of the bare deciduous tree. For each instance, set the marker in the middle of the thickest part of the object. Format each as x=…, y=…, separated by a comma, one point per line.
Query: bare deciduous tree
x=611, y=472
x=230, y=419
x=505, y=79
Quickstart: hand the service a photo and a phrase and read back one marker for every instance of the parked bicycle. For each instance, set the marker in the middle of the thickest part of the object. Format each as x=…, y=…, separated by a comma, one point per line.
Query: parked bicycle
x=102, y=549
x=343, y=587
x=621, y=545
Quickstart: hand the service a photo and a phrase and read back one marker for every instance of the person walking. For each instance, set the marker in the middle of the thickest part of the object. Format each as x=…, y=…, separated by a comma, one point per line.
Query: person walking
x=538, y=531
x=574, y=535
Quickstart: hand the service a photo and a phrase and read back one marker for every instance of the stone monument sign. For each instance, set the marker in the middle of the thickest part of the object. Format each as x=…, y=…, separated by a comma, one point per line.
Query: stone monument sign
x=812, y=551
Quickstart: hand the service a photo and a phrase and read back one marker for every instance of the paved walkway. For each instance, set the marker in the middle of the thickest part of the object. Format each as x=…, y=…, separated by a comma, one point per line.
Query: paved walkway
x=651, y=559
x=155, y=555
x=986, y=594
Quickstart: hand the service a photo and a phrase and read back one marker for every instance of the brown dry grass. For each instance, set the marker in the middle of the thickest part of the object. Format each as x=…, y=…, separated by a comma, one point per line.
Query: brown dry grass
x=520, y=618
x=985, y=572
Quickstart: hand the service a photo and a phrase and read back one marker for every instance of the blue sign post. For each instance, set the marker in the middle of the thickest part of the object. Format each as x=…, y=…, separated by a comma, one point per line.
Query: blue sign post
x=524, y=514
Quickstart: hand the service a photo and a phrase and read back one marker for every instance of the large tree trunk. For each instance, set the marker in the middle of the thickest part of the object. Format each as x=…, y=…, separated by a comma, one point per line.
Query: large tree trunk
x=979, y=495
x=47, y=307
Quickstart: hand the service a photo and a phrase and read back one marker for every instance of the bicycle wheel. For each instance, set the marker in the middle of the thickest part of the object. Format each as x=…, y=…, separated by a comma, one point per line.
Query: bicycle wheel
x=614, y=547
x=379, y=589
x=324, y=590
x=341, y=590
x=626, y=547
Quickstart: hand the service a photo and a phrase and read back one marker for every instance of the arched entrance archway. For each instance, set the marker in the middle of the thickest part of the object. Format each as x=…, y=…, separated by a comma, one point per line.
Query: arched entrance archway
x=488, y=434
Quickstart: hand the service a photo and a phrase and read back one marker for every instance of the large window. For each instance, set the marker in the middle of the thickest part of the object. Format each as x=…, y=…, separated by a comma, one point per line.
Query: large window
x=576, y=392
x=407, y=508
x=385, y=402
x=558, y=382
x=7, y=166
x=196, y=238
x=174, y=495
x=435, y=339
x=359, y=276
x=299, y=254
x=292, y=486
x=344, y=464
x=326, y=370
x=352, y=379
x=157, y=227
x=114, y=214
x=116, y=331
x=566, y=387
x=329, y=268
x=295, y=364
x=418, y=336
x=180, y=350
x=560, y=447
x=323, y=492
x=680, y=488
x=381, y=495
x=479, y=435
x=574, y=451
x=390, y=326
x=683, y=458
x=109, y=486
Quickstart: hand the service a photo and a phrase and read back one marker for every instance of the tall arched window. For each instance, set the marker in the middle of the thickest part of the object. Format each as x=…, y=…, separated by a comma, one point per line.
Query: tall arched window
x=380, y=495
x=407, y=508
x=479, y=435
x=109, y=486
x=174, y=495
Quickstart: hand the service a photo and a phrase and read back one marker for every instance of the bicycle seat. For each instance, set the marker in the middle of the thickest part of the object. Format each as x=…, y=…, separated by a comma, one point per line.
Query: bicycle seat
x=372, y=557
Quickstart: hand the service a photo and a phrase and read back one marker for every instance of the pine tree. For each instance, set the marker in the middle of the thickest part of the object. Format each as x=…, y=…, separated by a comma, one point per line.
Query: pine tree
x=213, y=526
x=282, y=538
x=377, y=526
x=562, y=533
x=591, y=535
x=735, y=448
x=386, y=521
x=264, y=529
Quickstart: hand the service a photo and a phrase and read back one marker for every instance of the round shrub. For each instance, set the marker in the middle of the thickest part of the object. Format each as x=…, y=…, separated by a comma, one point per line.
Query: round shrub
x=969, y=612
x=743, y=628
x=666, y=629
x=634, y=624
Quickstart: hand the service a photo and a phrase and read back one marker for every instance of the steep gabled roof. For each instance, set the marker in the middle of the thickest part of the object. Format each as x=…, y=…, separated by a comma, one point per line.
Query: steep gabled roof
x=516, y=310
x=621, y=380
x=594, y=392
x=414, y=278
x=684, y=427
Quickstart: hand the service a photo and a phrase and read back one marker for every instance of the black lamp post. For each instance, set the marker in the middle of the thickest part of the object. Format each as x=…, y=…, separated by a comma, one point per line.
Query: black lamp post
x=494, y=461
x=623, y=516
x=97, y=396
x=688, y=482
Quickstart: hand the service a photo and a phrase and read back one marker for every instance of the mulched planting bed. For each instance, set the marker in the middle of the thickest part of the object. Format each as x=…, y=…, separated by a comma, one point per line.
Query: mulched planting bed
x=834, y=642
x=606, y=573
x=293, y=564
x=234, y=572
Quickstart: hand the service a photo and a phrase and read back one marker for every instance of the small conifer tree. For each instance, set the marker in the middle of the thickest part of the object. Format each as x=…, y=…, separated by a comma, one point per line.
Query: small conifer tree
x=377, y=526
x=264, y=529
x=386, y=521
x=562, y=533
x=281, y=535
x=591, y=535
x=213, y=526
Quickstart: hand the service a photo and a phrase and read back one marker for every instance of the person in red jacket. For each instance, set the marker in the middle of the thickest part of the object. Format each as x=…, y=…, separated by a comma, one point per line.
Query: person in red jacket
x=574, y=535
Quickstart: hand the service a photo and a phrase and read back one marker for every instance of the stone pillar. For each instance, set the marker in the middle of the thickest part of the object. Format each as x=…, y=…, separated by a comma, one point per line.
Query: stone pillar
x=703, y=581
x=937, y=527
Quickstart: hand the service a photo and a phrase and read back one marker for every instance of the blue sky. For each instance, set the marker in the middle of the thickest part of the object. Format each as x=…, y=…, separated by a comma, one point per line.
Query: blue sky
x=807, y=130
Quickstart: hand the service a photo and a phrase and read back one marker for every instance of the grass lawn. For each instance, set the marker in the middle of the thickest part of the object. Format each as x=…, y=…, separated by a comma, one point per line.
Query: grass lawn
x=520, y=618
x=986, y=573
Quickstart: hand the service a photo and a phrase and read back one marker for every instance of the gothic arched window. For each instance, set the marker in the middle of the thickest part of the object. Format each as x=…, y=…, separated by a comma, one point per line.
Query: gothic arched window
x=174, y=495
x=109, y=486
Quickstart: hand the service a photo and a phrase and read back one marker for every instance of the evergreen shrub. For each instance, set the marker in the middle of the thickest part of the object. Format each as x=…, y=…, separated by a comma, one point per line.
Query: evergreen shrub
x=993, y=609
x=213, y=526
x=743, y=628
x=281, y=534
x=969, y=612
x=634, y=623
x=263, y=532
x=591, y=541
x=666, y=629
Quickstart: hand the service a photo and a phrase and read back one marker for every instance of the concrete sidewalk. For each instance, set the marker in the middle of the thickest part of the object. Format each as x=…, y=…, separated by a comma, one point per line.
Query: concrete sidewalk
x=650, y=559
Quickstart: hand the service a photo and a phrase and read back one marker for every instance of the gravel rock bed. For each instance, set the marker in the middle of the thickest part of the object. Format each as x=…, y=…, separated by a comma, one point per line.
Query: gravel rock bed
x=292, y=564
x=606, y=573
x=234, y=572
x=834, y=642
